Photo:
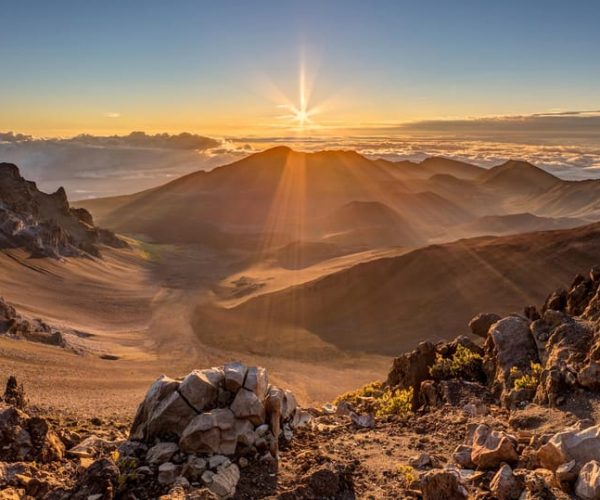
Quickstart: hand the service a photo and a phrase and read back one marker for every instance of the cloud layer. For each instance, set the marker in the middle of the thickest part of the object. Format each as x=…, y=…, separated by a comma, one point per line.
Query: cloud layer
x=566, y=144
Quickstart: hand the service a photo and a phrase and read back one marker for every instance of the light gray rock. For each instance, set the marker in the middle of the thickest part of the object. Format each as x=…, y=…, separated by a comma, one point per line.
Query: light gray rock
x=217, y=461
x=207, y=477
x=245, y=432
x=235, y=373
x=161, y=389
x=247, y=405
x=161, y=453
x=167, y=473
x=194, y=468
x=200, y=388
x=224, y=483
x=257, y=381
x=198, y=441
x=588, y=482
x=289, y=405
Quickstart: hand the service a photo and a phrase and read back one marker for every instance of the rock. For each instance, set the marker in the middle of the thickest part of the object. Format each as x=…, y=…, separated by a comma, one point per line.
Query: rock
x=412, y=368
x=491, y=448
x=243, y=462
x=512, y=346
x=245, y=432
x=25, y=438
x=163, y=388
x=194, y=468
x=289, y=405
x=588, y=482
x=582, y=446
x=235, y=373
x=207, y=477
x=366, y=421
x=99, y=480
x=420, y=461
x=217, y=461
x=14, y=394
x=225, y=481
x=167, y=473
x=481, y=323
x=444, y=484
x=566, y=474
x=247, y=405
x=161, y=453
x=462, y=456
x=198, y=441
x=556, y=301
x=325, y=482
x=92, y=447
x=505, y=485
x=257, y=381
x=199, y=388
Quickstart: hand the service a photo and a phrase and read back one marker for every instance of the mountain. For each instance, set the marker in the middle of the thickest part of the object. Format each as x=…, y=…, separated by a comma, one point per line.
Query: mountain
x=276, y=196
x=45, y=224
x=519, y=177
x=390, y=304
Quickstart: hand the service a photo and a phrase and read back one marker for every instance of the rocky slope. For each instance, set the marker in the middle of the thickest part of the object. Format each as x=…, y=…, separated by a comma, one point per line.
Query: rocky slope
x=510, y=413
x=45, y=224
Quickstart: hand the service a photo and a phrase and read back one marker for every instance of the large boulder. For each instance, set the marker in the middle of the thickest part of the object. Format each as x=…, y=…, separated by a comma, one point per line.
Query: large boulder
x=410, y=369
x=510, y=347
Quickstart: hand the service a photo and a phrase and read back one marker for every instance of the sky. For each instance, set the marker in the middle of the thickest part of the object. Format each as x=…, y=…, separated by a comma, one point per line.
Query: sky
x=239, y=68
x=203, y=83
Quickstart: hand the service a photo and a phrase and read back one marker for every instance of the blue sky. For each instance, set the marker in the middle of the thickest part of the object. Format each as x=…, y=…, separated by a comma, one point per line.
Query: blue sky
x=213, y=67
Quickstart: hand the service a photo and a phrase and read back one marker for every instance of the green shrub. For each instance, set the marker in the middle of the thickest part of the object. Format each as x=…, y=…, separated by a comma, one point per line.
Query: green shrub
x=374, y=398
x=395, y=402
x=358, y=397
x=528, y=380
x=464, y=363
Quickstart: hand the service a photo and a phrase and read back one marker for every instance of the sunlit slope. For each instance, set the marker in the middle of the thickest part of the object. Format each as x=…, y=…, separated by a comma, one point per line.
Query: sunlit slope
x=390, y=304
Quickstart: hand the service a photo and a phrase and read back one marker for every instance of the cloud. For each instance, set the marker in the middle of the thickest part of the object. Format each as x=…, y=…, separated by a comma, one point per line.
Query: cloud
x=112, y=115
x=552, y=125
x=184, y=140
x=12, y=137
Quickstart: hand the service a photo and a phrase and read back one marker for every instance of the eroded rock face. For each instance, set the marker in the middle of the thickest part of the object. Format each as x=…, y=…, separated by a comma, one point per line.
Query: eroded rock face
x=44, y=224
x=27, y=438
x=505, y=485
x=14, y=325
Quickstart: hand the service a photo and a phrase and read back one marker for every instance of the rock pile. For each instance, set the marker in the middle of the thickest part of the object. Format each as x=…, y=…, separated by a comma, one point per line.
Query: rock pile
x=45, y=224
x=202, y=429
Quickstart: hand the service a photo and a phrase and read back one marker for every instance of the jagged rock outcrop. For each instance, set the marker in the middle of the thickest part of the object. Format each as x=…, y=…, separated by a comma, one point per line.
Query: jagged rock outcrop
x=14, y=325
x=45, y=224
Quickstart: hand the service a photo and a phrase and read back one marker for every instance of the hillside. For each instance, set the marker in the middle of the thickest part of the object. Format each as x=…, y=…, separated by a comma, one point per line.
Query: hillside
x=390, y=304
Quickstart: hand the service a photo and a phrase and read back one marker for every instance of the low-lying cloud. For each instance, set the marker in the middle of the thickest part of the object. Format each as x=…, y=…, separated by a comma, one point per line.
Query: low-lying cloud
x=565, y=143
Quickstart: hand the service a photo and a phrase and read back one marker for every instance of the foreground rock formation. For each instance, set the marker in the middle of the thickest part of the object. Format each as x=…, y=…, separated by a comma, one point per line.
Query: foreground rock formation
x=510, y=412
x=45, y=224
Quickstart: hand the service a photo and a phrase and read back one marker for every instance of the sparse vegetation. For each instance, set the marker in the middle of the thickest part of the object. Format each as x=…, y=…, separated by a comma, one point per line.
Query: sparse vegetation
x=380, y=400
x=527, y=380
x=406, y=475
x=464, y=364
